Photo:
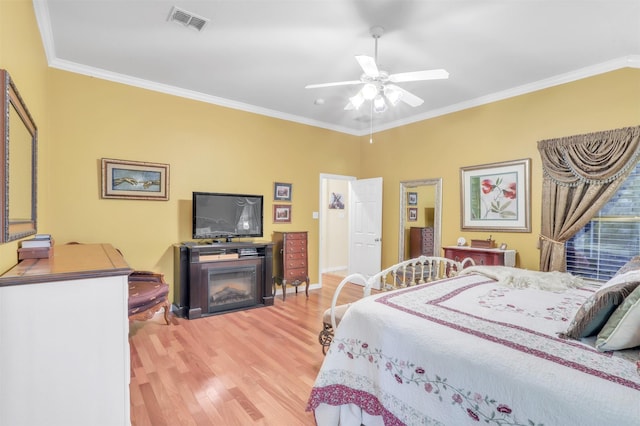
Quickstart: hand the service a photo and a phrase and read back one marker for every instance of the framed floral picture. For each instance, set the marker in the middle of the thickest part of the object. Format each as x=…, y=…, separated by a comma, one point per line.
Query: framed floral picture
x=496, y=197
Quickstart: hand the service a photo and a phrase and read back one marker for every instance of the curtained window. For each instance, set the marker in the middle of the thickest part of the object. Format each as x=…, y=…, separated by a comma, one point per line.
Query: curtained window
x=611, y=237
x=580, y=175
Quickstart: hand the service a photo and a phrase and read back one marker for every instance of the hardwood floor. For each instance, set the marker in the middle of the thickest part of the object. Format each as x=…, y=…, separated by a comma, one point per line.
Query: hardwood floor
x=253, y=367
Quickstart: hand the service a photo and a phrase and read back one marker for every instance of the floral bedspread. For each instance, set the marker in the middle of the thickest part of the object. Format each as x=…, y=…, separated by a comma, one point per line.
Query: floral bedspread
x=465, y=351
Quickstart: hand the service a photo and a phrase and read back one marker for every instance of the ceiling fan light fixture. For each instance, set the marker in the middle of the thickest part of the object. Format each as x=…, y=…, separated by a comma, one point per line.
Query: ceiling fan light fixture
x=357, y=100
x=392, y=94
x=369, y=91
x=379, y=105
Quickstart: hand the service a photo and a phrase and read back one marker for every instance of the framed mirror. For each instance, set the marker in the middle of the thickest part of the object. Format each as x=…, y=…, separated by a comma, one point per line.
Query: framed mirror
x=17, y=165
x=420, y=218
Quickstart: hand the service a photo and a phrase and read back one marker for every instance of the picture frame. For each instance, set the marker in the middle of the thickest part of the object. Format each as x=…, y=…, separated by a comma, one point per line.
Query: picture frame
x=281, y=213
x=412, y=198
x=134, y=180
x=281, y=191
x=336, y=201
x=412, y=214
x=496, y=196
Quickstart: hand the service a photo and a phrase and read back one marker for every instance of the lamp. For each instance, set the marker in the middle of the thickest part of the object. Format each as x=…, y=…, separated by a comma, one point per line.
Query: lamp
x=369, y=91
x=379, y=105
x=392, y=94
x=357, y=100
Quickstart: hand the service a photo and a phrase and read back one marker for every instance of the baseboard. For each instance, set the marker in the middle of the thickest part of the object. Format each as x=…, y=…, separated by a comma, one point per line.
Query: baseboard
x=333, y=269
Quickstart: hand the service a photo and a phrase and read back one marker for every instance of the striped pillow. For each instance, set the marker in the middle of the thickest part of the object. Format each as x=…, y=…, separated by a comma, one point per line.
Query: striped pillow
x=596, y=310
x=622, y=330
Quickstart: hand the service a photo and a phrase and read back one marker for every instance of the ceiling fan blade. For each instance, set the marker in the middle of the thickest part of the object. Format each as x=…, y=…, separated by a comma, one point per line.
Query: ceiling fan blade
x=368, y=65
x=337, y=83
x=408, y=97
x=419, y=75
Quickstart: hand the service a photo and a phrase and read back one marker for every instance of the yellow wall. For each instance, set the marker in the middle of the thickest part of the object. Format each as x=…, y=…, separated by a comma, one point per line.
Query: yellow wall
x=210, y=148
x=501, y=131
x=21, y=54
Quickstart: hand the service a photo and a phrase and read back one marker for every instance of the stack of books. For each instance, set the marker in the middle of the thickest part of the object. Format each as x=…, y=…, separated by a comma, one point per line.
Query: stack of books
x=38, y=247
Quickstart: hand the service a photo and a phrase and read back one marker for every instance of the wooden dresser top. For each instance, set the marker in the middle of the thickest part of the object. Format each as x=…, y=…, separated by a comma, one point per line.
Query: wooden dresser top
x=68, y=262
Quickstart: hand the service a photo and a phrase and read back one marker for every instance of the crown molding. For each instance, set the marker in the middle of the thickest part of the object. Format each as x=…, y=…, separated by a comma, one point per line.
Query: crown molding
x=42, y=17
x=630, y=61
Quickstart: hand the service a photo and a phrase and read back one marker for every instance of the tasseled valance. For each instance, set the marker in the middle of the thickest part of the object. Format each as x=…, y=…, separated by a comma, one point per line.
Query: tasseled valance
x=595, y=158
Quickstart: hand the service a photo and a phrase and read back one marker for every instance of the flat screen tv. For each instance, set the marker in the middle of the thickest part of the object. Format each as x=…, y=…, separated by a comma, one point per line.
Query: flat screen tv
x=217, y=215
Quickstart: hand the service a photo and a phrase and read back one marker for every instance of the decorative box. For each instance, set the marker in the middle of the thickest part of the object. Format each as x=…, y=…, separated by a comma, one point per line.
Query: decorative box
x=35, y=253
x=483, y=243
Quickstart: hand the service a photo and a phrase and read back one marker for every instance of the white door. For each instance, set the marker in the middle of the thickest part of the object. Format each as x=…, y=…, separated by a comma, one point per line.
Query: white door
x=365, y=226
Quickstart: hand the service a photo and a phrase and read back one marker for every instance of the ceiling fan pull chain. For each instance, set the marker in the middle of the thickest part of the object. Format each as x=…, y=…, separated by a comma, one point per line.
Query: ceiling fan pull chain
x=371, y=124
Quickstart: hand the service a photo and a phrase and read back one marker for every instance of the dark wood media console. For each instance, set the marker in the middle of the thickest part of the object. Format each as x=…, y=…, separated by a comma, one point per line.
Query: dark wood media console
x=217, y=278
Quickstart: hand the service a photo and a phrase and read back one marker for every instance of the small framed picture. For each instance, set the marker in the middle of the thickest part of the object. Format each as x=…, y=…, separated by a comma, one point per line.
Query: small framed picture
x=412, y=214
x=281, y=191
x=412, y=198
x=336, y=201
x=503, y=246
x=281, y=213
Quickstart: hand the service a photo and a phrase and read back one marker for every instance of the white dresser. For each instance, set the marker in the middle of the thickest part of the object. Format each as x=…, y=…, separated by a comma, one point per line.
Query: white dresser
x=64, y=348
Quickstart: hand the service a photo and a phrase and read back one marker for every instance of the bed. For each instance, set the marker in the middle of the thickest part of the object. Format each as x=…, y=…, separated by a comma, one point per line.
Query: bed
x=491, y=345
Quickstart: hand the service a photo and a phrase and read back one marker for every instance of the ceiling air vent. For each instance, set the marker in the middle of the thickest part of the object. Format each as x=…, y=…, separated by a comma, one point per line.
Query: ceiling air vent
x=187, y=19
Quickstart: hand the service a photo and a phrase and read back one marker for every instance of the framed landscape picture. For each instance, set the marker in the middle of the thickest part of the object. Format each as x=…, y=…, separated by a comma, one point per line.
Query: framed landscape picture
x=134, y=180
x=496, y=197
x=281, y=213
x=281, y=191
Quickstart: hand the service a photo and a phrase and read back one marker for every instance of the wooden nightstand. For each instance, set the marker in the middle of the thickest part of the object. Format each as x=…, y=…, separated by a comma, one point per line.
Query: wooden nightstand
x=290, y=261
x=481, y=256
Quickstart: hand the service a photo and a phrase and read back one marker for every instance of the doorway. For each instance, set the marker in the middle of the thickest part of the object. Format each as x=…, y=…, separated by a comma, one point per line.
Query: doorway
x=339, y=195
x=333, y=225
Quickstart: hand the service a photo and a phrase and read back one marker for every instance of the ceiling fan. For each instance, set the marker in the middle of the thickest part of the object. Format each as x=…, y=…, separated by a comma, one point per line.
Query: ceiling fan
x=378, y=85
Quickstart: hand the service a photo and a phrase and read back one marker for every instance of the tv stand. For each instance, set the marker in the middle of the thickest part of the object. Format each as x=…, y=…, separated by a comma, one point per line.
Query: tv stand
x=198, y=266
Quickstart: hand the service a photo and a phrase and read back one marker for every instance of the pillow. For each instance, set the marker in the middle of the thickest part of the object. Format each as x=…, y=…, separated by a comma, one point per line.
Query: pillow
x=631, y=265
x=622, y=330
x=595, y=311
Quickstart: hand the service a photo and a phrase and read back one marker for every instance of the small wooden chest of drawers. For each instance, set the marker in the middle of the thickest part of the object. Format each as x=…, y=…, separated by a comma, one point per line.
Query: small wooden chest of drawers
x=481, y=256
x=290, y=260
x=420, y=242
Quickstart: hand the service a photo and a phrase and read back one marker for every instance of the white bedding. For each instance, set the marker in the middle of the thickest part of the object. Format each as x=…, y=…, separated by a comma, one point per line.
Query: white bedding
x=465, y=351
x=524, y=278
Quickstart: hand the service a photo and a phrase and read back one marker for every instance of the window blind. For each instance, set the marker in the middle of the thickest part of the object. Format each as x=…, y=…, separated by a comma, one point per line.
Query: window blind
x=611, y=238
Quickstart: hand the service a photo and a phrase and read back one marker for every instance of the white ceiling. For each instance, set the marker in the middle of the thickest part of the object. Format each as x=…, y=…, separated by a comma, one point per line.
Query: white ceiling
x=258, y=55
